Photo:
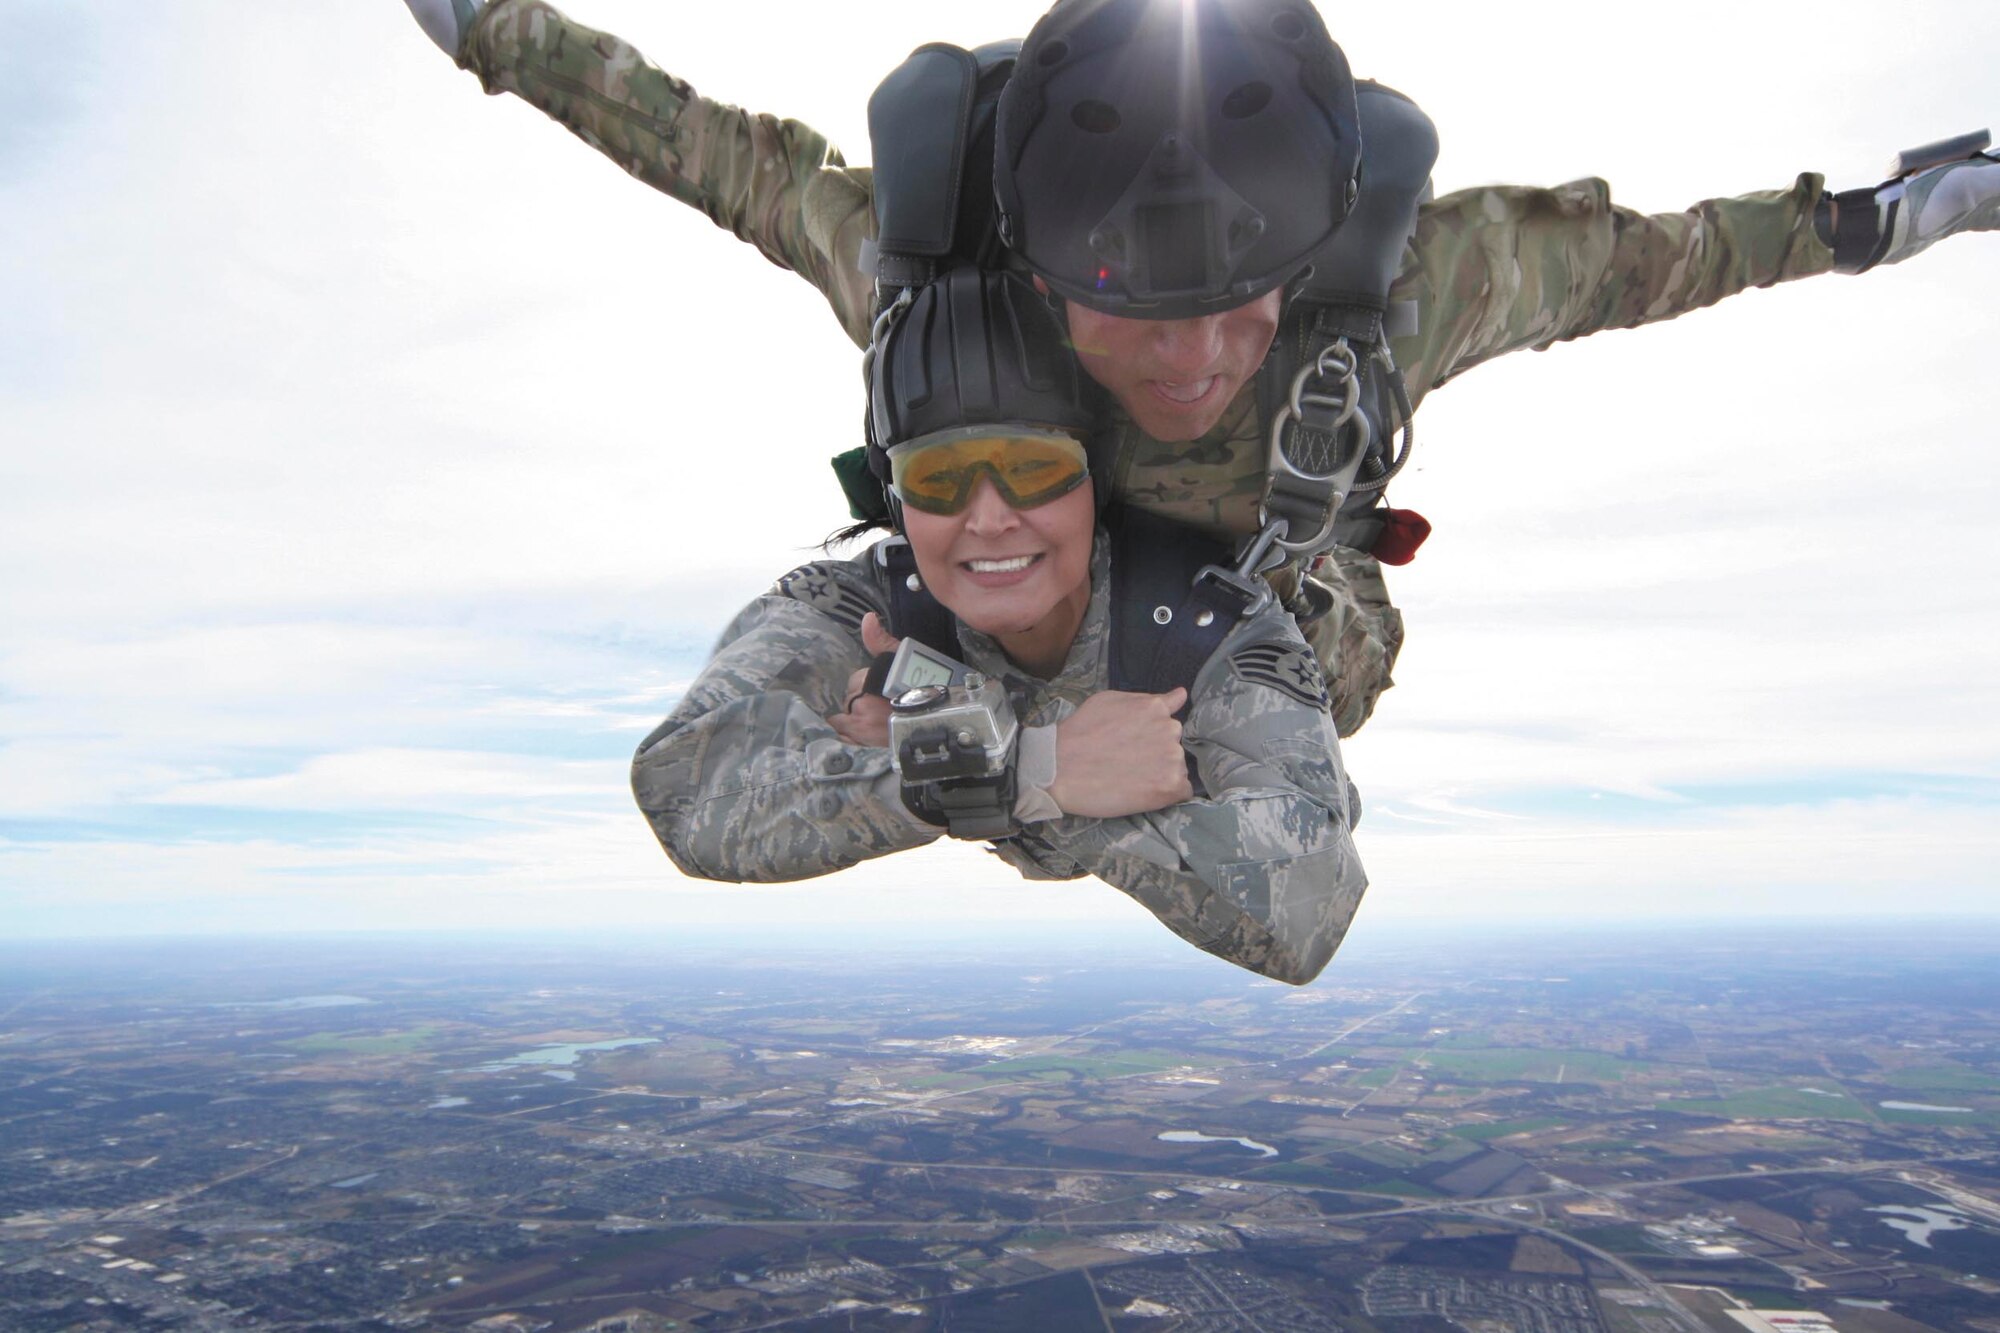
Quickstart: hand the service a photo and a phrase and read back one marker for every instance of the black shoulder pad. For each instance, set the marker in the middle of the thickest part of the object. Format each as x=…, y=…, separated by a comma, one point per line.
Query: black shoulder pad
x=918, y=120
x=1398, y=147
x=820, y=586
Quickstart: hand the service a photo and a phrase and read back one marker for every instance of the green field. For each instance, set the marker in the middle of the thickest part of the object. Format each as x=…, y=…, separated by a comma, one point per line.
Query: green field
x=1305, y=1173
x=1624, y=1238
x=1487, y=1133
x=1450, y=1148
x=690, y=1042
x=1775, y=1104
x=1038, y=1238
x=1938, y=1078
x=1386, y=1155
x=1500, y=1064
x=928, y=1082
x=1767, y=1298
x=1335, y=1178
x=1387, y=1054
x=374, y=1043
x=1115, y=1065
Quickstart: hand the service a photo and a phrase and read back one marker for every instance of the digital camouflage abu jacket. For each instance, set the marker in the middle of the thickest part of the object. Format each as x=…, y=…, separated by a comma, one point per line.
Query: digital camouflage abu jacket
x=745, y=780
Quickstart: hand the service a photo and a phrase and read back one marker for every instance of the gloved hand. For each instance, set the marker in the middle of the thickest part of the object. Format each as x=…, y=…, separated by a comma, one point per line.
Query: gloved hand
x=1933, y=192
x=447, y=21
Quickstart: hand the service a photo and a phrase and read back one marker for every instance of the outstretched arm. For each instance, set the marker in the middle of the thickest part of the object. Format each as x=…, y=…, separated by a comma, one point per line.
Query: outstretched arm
x=746, y=780
x=1500, y=268
x=1260, y=869
x=1496, y=269
x=774, y=183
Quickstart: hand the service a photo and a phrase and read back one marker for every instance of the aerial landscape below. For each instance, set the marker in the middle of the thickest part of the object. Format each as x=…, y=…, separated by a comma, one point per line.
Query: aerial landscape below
x=1650, y=1132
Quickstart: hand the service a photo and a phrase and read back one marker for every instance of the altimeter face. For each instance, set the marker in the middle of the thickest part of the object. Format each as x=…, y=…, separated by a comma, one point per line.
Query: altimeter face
x=917, y=667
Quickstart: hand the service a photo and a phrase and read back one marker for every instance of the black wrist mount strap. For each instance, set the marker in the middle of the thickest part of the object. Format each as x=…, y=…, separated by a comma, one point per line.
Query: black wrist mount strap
x=976, y=808
x=878, y=673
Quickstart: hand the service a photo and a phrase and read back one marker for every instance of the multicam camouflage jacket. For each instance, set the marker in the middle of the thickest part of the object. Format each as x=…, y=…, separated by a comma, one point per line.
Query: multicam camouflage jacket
x=745, y=780
x=1489, y=271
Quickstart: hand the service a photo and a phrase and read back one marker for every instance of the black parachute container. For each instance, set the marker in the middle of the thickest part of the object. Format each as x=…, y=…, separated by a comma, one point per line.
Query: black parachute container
x=1332, y=401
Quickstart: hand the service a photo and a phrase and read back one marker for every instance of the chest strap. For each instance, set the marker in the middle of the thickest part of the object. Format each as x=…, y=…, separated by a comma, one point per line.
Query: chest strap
x=1175, y=596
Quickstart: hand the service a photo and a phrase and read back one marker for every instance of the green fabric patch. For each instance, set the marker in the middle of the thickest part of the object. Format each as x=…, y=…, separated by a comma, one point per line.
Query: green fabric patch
x=865, y=500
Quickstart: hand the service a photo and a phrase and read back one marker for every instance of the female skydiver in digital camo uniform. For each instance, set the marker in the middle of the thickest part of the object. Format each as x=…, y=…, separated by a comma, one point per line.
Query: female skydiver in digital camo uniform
x=1487, y=270
x=775, y=764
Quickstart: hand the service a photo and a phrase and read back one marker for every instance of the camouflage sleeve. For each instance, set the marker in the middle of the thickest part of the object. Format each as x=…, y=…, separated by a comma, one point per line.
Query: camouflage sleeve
x=1260, y=869
x=745, y=780
x=774, y=183
x=1496, y=269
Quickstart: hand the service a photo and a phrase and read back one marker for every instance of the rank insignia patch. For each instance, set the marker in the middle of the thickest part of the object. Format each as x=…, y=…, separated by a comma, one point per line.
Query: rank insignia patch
x=1288, y=669
x=816, y=586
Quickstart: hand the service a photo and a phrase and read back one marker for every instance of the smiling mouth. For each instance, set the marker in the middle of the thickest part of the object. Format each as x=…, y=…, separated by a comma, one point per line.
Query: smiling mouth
x=1011, y=565
x=1185, y=393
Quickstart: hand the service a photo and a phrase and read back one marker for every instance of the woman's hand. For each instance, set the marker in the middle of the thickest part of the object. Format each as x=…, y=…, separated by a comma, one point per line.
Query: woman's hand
x=1120, y=754
x=865, y=719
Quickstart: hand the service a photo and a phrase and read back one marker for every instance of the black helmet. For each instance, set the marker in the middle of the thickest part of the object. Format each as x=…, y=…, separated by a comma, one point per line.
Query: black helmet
x=973, y=348
x=1164, y=159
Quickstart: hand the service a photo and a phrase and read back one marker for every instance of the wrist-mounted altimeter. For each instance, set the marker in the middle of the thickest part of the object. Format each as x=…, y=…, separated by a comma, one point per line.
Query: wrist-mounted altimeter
x=952, y=735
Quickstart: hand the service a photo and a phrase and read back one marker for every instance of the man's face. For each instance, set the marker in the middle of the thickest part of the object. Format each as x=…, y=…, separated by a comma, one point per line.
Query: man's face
x=1002, y=570
x=1175, y=376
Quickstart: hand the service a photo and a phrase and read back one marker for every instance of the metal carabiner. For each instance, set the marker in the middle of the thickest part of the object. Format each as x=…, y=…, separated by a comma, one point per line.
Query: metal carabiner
x=1350, y=383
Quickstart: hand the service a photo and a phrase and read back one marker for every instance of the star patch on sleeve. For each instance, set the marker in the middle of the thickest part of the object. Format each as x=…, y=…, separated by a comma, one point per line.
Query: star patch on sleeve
x=817, y=587
x=1284, y=667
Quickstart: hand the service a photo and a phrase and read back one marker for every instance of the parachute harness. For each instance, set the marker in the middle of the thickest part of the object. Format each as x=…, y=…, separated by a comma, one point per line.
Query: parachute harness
x=1320, y=446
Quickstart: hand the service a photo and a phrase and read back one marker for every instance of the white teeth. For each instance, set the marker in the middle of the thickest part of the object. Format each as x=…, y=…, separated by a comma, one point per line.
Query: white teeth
x=1000, y=566
x=1185, y=393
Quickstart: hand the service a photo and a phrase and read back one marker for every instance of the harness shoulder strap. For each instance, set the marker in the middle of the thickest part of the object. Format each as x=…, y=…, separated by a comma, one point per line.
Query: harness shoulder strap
x=1172, y=601
x=1333, y=396
x=913, y=612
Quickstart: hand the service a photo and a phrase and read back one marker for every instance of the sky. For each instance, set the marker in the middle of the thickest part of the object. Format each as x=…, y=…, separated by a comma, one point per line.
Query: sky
x=377, y=464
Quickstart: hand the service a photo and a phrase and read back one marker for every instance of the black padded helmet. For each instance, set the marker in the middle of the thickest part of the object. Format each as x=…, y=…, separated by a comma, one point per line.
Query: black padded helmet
x=1166, y=159
x=973, y=348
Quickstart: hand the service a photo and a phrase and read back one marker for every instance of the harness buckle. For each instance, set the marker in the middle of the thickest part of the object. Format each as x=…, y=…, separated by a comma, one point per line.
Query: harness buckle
x=1319, y=436
x=1244, y=585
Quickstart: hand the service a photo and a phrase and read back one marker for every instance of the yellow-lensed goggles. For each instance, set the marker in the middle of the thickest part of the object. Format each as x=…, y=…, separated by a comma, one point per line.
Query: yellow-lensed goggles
x=1028, y=465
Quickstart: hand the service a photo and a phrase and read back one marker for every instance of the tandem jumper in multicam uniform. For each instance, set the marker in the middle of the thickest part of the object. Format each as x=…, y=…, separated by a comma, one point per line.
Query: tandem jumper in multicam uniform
x=1487, y=271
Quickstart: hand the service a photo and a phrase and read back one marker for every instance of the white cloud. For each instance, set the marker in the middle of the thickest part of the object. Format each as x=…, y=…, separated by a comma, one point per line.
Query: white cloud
x=559, y=871
x=480, y=783
x=1883, y=857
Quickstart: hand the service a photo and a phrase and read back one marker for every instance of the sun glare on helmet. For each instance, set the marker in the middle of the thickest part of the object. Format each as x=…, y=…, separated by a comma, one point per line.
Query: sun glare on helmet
x=1190, y=71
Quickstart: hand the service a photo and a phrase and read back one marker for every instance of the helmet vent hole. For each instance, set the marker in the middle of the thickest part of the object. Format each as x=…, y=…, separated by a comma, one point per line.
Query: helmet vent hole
x=1094, y=117
x=1246, y=101
x=1052, y=55
x=1289, y=26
